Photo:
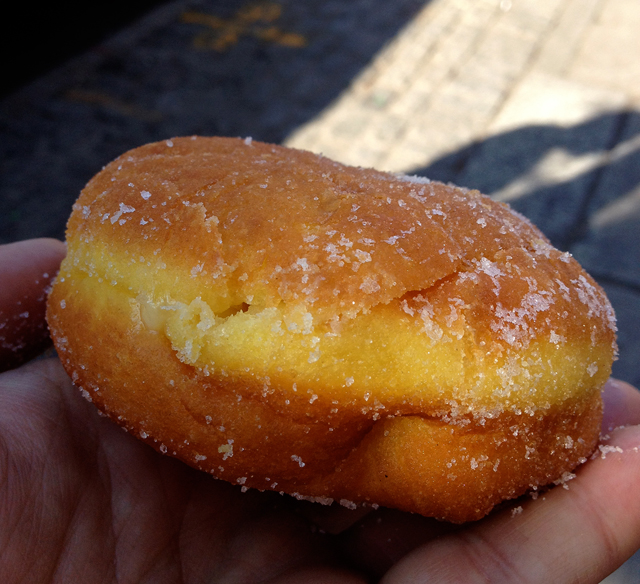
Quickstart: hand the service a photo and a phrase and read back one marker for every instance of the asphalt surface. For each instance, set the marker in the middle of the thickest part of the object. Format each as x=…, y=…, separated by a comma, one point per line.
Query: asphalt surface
x=535, y=102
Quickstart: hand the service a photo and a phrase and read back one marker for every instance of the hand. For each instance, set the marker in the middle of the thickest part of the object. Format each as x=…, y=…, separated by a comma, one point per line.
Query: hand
x=83, y=501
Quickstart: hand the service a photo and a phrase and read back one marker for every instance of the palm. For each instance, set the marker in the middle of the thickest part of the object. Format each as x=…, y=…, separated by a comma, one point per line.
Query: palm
x=107, y=507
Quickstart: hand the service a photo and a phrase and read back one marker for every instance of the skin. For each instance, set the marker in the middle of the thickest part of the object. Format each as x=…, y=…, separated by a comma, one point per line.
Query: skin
x=82, y=501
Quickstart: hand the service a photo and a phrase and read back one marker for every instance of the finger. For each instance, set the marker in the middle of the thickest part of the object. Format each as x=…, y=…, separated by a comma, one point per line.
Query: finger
x=26, y=271
x=318, y=575
x=578, y=534
x=621, y=405
x=385, y=536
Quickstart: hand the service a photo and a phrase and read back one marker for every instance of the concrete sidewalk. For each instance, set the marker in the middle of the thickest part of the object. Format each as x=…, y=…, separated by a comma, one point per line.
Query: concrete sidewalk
x=536, y=102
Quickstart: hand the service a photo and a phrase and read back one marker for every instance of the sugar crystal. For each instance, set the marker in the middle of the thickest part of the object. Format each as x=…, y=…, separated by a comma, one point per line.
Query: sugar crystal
x=297, y=459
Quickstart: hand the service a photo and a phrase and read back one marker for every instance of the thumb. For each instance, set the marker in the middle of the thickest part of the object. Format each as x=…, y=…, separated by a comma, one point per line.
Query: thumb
x=27, y=269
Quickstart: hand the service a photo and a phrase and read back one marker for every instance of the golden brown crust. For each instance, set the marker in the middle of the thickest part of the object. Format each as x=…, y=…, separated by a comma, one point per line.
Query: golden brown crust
x=288, y=323
x=219, y=190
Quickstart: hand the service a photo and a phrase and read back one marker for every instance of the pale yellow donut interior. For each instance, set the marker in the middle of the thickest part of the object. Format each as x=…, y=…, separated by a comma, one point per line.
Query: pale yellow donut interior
x=385, y=356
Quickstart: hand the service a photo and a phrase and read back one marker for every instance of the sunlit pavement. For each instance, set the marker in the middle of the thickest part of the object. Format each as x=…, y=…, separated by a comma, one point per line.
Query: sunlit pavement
x=536, y=102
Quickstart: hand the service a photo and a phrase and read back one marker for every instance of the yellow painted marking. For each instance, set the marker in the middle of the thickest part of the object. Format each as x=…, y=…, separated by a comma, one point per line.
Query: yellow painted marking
x=255, y=19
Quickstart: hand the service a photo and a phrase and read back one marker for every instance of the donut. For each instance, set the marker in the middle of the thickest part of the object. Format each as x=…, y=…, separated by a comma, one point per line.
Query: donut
x=288, y=323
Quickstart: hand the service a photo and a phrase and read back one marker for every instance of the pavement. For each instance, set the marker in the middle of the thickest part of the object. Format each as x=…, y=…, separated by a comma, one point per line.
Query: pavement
x=535, y=102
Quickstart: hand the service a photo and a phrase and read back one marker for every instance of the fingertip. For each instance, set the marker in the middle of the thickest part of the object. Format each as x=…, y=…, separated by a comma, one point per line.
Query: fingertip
x=27, y=269
x=618, y=385
x=621, y=404
x=53, y=248
x=38, y=250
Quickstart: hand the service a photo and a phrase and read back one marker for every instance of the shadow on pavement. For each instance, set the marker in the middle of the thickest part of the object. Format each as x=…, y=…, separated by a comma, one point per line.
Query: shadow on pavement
x=559, y=177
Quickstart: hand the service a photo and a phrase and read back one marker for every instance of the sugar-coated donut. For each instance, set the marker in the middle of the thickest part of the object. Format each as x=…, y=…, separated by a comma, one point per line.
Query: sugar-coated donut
x=289, y=323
